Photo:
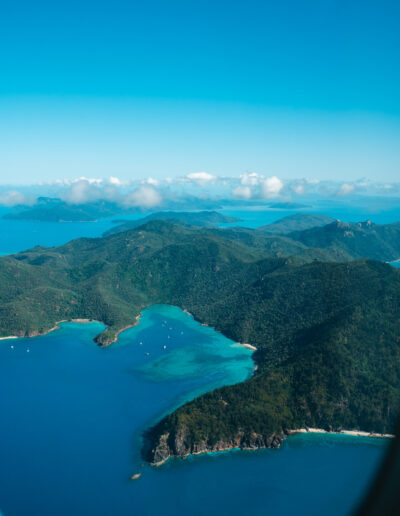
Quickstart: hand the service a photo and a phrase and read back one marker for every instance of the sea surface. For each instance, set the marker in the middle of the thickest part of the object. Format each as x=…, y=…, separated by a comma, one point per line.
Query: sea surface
x=19, y=235
x=379, y=210
x=73, y=415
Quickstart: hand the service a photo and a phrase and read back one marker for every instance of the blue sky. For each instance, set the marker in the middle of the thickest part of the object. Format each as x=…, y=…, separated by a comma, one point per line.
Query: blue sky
x=136, y=89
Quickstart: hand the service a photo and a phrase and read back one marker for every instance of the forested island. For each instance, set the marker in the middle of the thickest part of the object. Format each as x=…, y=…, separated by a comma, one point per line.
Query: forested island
x=325, y=322
x=194, y=218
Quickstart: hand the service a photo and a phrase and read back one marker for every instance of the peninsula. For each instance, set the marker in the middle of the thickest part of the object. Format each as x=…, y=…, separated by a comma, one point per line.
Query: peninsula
x=326, y=332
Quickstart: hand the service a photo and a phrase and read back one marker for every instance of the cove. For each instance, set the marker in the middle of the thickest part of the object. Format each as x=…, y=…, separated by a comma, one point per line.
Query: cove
x=72, y=417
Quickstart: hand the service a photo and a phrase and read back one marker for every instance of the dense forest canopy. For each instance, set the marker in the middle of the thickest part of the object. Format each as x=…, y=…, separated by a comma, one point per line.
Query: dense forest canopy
x=327, y=332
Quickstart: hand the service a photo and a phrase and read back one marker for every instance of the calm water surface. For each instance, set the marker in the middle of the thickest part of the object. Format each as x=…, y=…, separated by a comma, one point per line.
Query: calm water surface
x=73, y=415
x=18, y=235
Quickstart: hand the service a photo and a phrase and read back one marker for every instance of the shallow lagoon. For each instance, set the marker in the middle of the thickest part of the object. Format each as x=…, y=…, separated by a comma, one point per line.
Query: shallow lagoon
x=18, y=235
x=73, y=415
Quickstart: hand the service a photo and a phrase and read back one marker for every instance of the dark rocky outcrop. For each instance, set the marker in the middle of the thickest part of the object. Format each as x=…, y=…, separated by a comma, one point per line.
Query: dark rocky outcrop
x=158, y=449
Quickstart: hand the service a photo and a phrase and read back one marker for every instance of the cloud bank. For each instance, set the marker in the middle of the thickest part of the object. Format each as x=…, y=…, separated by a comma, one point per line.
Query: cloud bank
x=148, y=193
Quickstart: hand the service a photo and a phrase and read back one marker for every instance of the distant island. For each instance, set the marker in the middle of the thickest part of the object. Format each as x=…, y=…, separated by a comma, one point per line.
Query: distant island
x=287, y=205
x=191, y=218
x=326, y=325
x=297, y=222
x=50, y=209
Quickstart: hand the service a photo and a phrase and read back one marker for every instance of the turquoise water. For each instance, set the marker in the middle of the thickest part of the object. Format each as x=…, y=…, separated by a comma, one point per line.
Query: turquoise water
x=73, y=415
x=395, y=264
x=379, y=210
x=18, y=235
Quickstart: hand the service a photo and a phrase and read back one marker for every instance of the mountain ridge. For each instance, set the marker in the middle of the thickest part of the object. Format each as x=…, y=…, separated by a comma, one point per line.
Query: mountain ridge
x=327, y=333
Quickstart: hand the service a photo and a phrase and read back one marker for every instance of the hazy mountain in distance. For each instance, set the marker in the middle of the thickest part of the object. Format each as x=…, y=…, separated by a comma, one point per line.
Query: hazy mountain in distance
x=296, y=222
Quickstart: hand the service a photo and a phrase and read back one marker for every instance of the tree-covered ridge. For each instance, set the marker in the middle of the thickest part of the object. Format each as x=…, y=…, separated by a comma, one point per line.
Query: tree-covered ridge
x=110, y=279
x=296, y=222
x=195, y=218
x=328, y=338
x=354, y=240
x=50, y=209
x=327, y=333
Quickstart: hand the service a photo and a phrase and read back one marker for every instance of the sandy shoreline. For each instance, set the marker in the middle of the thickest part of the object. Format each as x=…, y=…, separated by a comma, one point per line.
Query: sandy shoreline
x=120, y=331
x=78, y=320
x=358, y=433
x=248, y=346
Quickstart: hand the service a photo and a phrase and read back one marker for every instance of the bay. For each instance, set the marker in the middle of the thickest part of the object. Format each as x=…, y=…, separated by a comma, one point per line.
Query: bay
x=73, y=415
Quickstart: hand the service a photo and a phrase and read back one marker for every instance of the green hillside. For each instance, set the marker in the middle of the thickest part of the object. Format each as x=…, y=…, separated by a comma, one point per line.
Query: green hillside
x=296, y=222
x=327, y=334
x=55, y=210
x=199, y=218
x=362, y=239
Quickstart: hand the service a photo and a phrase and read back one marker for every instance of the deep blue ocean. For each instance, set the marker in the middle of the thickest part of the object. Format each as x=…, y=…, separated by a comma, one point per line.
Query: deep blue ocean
x=73, y=415
x=18, y=235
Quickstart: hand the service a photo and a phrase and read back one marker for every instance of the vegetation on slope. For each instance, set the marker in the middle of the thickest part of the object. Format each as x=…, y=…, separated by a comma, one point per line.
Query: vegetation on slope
x=347, y=240
x=55, y=210
x=192, y=218
x=296, y=222
x=328, y=334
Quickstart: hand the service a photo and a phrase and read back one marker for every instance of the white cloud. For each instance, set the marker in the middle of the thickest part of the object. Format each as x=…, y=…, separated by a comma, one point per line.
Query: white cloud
x=81, y=191
x=243, y=192
x=90, y=180
x=144, y=197
x=152, y=181
x=251, y=179
x=271, y=187
x=345, y=189
x=200, y=177
x=12, y=198
x=84, y=190
x=298, y=188
x=114, y=181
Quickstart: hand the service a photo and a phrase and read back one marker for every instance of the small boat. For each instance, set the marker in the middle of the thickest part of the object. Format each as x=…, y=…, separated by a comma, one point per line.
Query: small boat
x=141, y=343
x=165, y=347
x=27, y=350
x=136, y=476
x=12, y=347
x=147, y=354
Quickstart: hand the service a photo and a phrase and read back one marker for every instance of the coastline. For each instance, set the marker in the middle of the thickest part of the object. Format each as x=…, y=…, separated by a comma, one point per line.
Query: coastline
x=287, y=433
x=108, y=343
x=248, y=346
x=357, y=433
x=76, y=320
